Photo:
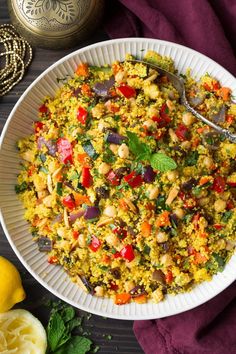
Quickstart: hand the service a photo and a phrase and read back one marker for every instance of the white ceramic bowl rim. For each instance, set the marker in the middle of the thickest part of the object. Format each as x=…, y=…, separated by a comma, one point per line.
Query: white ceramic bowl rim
x=131, y=311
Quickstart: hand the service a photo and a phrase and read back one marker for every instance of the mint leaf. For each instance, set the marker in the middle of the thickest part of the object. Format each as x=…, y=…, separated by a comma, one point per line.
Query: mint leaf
x=67, y=313
x=56, y=331
x=139, y=149
x=73, y=323
x=162, y=162
x=76, y=345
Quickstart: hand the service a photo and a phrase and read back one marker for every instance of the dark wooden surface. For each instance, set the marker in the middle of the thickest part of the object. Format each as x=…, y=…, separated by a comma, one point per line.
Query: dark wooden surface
x=123, y=340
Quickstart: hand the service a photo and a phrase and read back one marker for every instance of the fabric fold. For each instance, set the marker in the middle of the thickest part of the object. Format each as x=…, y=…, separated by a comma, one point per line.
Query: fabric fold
x=206, y=26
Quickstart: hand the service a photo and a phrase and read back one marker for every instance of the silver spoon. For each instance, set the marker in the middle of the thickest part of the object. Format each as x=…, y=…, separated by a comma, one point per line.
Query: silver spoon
x=178, y=83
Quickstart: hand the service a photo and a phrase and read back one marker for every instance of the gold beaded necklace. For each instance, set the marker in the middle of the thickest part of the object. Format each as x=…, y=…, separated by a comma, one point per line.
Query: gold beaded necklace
x=18, y=55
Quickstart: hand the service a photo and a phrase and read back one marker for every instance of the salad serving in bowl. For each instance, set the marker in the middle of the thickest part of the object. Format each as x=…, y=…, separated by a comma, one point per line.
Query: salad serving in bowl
x=123, y=187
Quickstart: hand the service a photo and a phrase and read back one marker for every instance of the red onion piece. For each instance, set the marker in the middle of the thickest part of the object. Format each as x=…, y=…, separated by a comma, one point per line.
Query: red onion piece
x=91, y=213
x=74, y=216
x=149, y=175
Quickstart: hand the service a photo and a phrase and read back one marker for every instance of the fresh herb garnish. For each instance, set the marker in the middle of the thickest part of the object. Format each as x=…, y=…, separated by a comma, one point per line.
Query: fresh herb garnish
x=42, y=157
x=20, y=188
x=192, y=158
x=226, y=216
x=159, y=161
x=146, y=249
x=108, y=156
x=62, y=322
x=59, y=188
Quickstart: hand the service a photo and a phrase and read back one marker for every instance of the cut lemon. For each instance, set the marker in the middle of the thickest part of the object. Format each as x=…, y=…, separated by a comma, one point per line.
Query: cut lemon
x=21, y=333
x=11, y=290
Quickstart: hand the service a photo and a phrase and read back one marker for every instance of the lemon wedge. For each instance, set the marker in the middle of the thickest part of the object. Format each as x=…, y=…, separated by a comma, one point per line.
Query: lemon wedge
x=21, y=333
x=11, y=290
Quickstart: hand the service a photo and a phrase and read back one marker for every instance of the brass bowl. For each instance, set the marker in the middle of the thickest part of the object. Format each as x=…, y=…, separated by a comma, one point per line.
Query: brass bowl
x=55, y=24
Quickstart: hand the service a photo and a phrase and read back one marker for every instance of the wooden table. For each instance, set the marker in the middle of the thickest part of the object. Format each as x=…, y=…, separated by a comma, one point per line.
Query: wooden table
x=123, y=339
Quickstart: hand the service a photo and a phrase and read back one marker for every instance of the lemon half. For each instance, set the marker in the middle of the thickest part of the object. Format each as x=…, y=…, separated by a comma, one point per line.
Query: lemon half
x=21, y=333
x=11, y=290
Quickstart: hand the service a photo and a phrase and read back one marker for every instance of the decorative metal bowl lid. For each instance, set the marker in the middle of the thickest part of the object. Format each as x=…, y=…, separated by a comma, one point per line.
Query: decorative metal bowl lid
x=55, y=23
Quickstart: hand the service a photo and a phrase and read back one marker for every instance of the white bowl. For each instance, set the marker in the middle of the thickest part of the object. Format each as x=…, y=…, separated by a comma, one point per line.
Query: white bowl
x=19, y=124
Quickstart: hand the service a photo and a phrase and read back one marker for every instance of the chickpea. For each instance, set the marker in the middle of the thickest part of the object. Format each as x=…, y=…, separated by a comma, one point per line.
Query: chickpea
x=150, y=124
x=203, y=201
x=219, y=205
x=188, y=119
x=208, y=162
x=102, y=125
x=42, y=194
x=179, y=212
x=151, y=91
x=186, y=145
x=110, y=211
x=152, y=111
x=172, y=175
x=98, y=110
x=104, y=168
x=153, y=192
x=82, y=241
x=99, y=291
x=112, y=240
x=120, y=77
x=161, y=237
x=129, y=285
x=123, y=151
x=114, y=148
x=166, y=260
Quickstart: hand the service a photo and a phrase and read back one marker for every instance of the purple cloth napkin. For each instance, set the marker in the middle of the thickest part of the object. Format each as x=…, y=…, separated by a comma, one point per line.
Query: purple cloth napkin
x=208, y=26
x=207, y=329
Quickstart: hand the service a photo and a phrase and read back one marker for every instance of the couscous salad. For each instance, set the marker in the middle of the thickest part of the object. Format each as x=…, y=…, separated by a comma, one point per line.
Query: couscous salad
x=124, y=188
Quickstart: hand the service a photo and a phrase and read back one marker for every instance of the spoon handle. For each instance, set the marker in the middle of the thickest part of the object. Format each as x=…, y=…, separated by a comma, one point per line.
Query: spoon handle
x=231, y=137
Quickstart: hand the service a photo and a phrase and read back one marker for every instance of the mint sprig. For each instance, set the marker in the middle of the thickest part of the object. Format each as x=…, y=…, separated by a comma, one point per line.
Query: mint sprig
x=62, y=322
x=162, y=162
x=159, y=161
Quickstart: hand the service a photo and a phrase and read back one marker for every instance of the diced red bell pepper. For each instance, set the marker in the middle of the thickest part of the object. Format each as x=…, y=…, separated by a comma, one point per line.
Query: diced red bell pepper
x=229, y=204
x=127, y=91
x=52, y=259
x=127, y=253
x=219, y=184
x=169, y=277
x=69, y=201
x=133, y=180
x=95, y=244
x=163, y=120
x=113, y=178
x=43, y=109
x=64, y=149
x=120, y=232
x=231, y=184
x=182, y=132
x=114, y=286
x=218, y=226
x=38, y=126
x=216, y=86
x=82, y=115
x=75, y=234
x=116, y=255
x=86, y=177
